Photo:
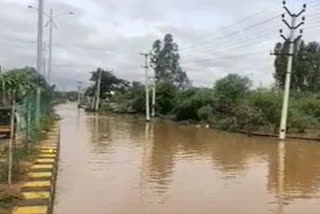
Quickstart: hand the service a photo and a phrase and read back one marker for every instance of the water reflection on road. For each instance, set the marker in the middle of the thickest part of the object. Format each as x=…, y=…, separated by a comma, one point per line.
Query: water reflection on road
x=118, y=164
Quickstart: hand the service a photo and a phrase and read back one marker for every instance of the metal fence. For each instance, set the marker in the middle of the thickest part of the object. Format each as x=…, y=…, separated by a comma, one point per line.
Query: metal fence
x=32, y=117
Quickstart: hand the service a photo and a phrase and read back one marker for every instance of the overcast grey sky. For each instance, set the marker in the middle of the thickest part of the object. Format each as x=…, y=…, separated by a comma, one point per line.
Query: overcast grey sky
x=110, y=33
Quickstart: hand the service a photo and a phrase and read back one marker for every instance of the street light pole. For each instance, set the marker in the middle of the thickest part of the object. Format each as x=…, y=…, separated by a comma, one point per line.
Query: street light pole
x=39, y=37
x=51, y=24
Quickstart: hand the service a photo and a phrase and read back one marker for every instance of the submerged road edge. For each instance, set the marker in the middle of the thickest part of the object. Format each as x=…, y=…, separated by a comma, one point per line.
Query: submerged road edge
x=39, y=189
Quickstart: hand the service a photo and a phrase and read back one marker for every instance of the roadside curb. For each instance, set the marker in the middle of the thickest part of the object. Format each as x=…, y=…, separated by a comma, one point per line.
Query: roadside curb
x=39, y=189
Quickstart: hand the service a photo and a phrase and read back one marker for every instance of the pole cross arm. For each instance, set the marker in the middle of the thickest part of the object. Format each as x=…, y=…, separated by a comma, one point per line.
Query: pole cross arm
x=288, y=25
x=280, y=54
x=51, y=21
x=299, y=14
x=285, y=38
x=288, y=11
x=297, y=39
x=299, y=25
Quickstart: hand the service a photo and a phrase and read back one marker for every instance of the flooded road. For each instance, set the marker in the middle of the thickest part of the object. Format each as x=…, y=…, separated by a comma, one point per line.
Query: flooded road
x=120, y=165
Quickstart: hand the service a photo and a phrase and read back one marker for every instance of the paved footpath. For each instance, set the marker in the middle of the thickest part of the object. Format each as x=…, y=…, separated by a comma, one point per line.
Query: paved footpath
x=38, y=190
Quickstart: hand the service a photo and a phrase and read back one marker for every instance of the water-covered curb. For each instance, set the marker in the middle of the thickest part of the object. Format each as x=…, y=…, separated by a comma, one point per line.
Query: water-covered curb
x=39, y=189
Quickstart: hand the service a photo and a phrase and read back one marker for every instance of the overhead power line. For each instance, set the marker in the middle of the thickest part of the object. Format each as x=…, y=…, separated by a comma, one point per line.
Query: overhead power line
x=217, y=34
x=242, y=42
x=232, y=34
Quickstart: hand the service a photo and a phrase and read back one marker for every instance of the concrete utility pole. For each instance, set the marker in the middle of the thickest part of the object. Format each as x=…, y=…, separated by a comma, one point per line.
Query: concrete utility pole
x=98, y=90
x=146, y=67
x=40, y=33
x=50, y=45
x=292, y=41
x=153, y=111
x=52, y=24
x=44, y=61
x=79, y=93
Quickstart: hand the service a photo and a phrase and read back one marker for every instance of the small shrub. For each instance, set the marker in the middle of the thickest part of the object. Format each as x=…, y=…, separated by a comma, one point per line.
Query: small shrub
x=269, y=104
x=229, y=123
x=299, y=120
x=249, y=118
x=310, y=105
x=205, y=113
x=188, y=108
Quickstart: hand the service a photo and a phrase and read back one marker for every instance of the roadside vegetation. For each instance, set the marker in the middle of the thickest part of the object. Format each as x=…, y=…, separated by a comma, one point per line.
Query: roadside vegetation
x=230, y=104
x=33, y=117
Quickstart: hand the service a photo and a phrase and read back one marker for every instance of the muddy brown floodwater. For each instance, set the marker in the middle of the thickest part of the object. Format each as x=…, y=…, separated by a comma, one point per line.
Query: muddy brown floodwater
x=120, y=165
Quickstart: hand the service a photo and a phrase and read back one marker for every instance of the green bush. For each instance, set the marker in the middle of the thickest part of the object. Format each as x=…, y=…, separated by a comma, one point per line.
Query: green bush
x=229, y=91
x=310, y=105
x=249, y=118
x=130, y=101
x=229, y=123
x=299, y=121
x=188, y=108
x=269, y=104
x=166, y=94
x=230, y=105
x=205, y=113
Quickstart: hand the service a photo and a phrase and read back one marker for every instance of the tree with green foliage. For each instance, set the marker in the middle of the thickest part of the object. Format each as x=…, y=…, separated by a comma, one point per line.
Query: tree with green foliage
x=109, y=83
x=188, y=106
x=18, y=86
x=131, y=100
x=306, y=66
x=166, y=94
x=269, y=103
x=229, y=90
x=165, y=60
x=22, y=80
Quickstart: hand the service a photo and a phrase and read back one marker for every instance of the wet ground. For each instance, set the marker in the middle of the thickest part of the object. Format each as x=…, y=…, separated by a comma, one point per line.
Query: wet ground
x=120, y=165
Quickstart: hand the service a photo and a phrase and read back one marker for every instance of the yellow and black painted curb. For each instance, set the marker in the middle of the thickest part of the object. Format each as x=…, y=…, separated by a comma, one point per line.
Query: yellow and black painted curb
x=39, y=189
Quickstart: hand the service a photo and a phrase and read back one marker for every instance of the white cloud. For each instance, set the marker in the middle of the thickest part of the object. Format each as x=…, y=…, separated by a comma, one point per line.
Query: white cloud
x=111, y=33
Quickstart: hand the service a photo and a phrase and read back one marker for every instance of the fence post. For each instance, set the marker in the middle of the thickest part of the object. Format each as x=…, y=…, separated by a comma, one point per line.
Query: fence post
x=12, y=134
x=28, y=121
x=38, y=110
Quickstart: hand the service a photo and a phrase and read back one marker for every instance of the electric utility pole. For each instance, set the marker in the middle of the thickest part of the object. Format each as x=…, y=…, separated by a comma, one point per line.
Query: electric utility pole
x=39, y=39
x=146, y=67
x=44, y=61
x=51, y=25
x=292, y=40
x=50, y=45
x=79, y=93
x=153, y=105
x=98, y=90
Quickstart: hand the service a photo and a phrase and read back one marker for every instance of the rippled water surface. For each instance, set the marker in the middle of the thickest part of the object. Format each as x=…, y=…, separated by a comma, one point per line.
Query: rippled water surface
x=120, y=165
